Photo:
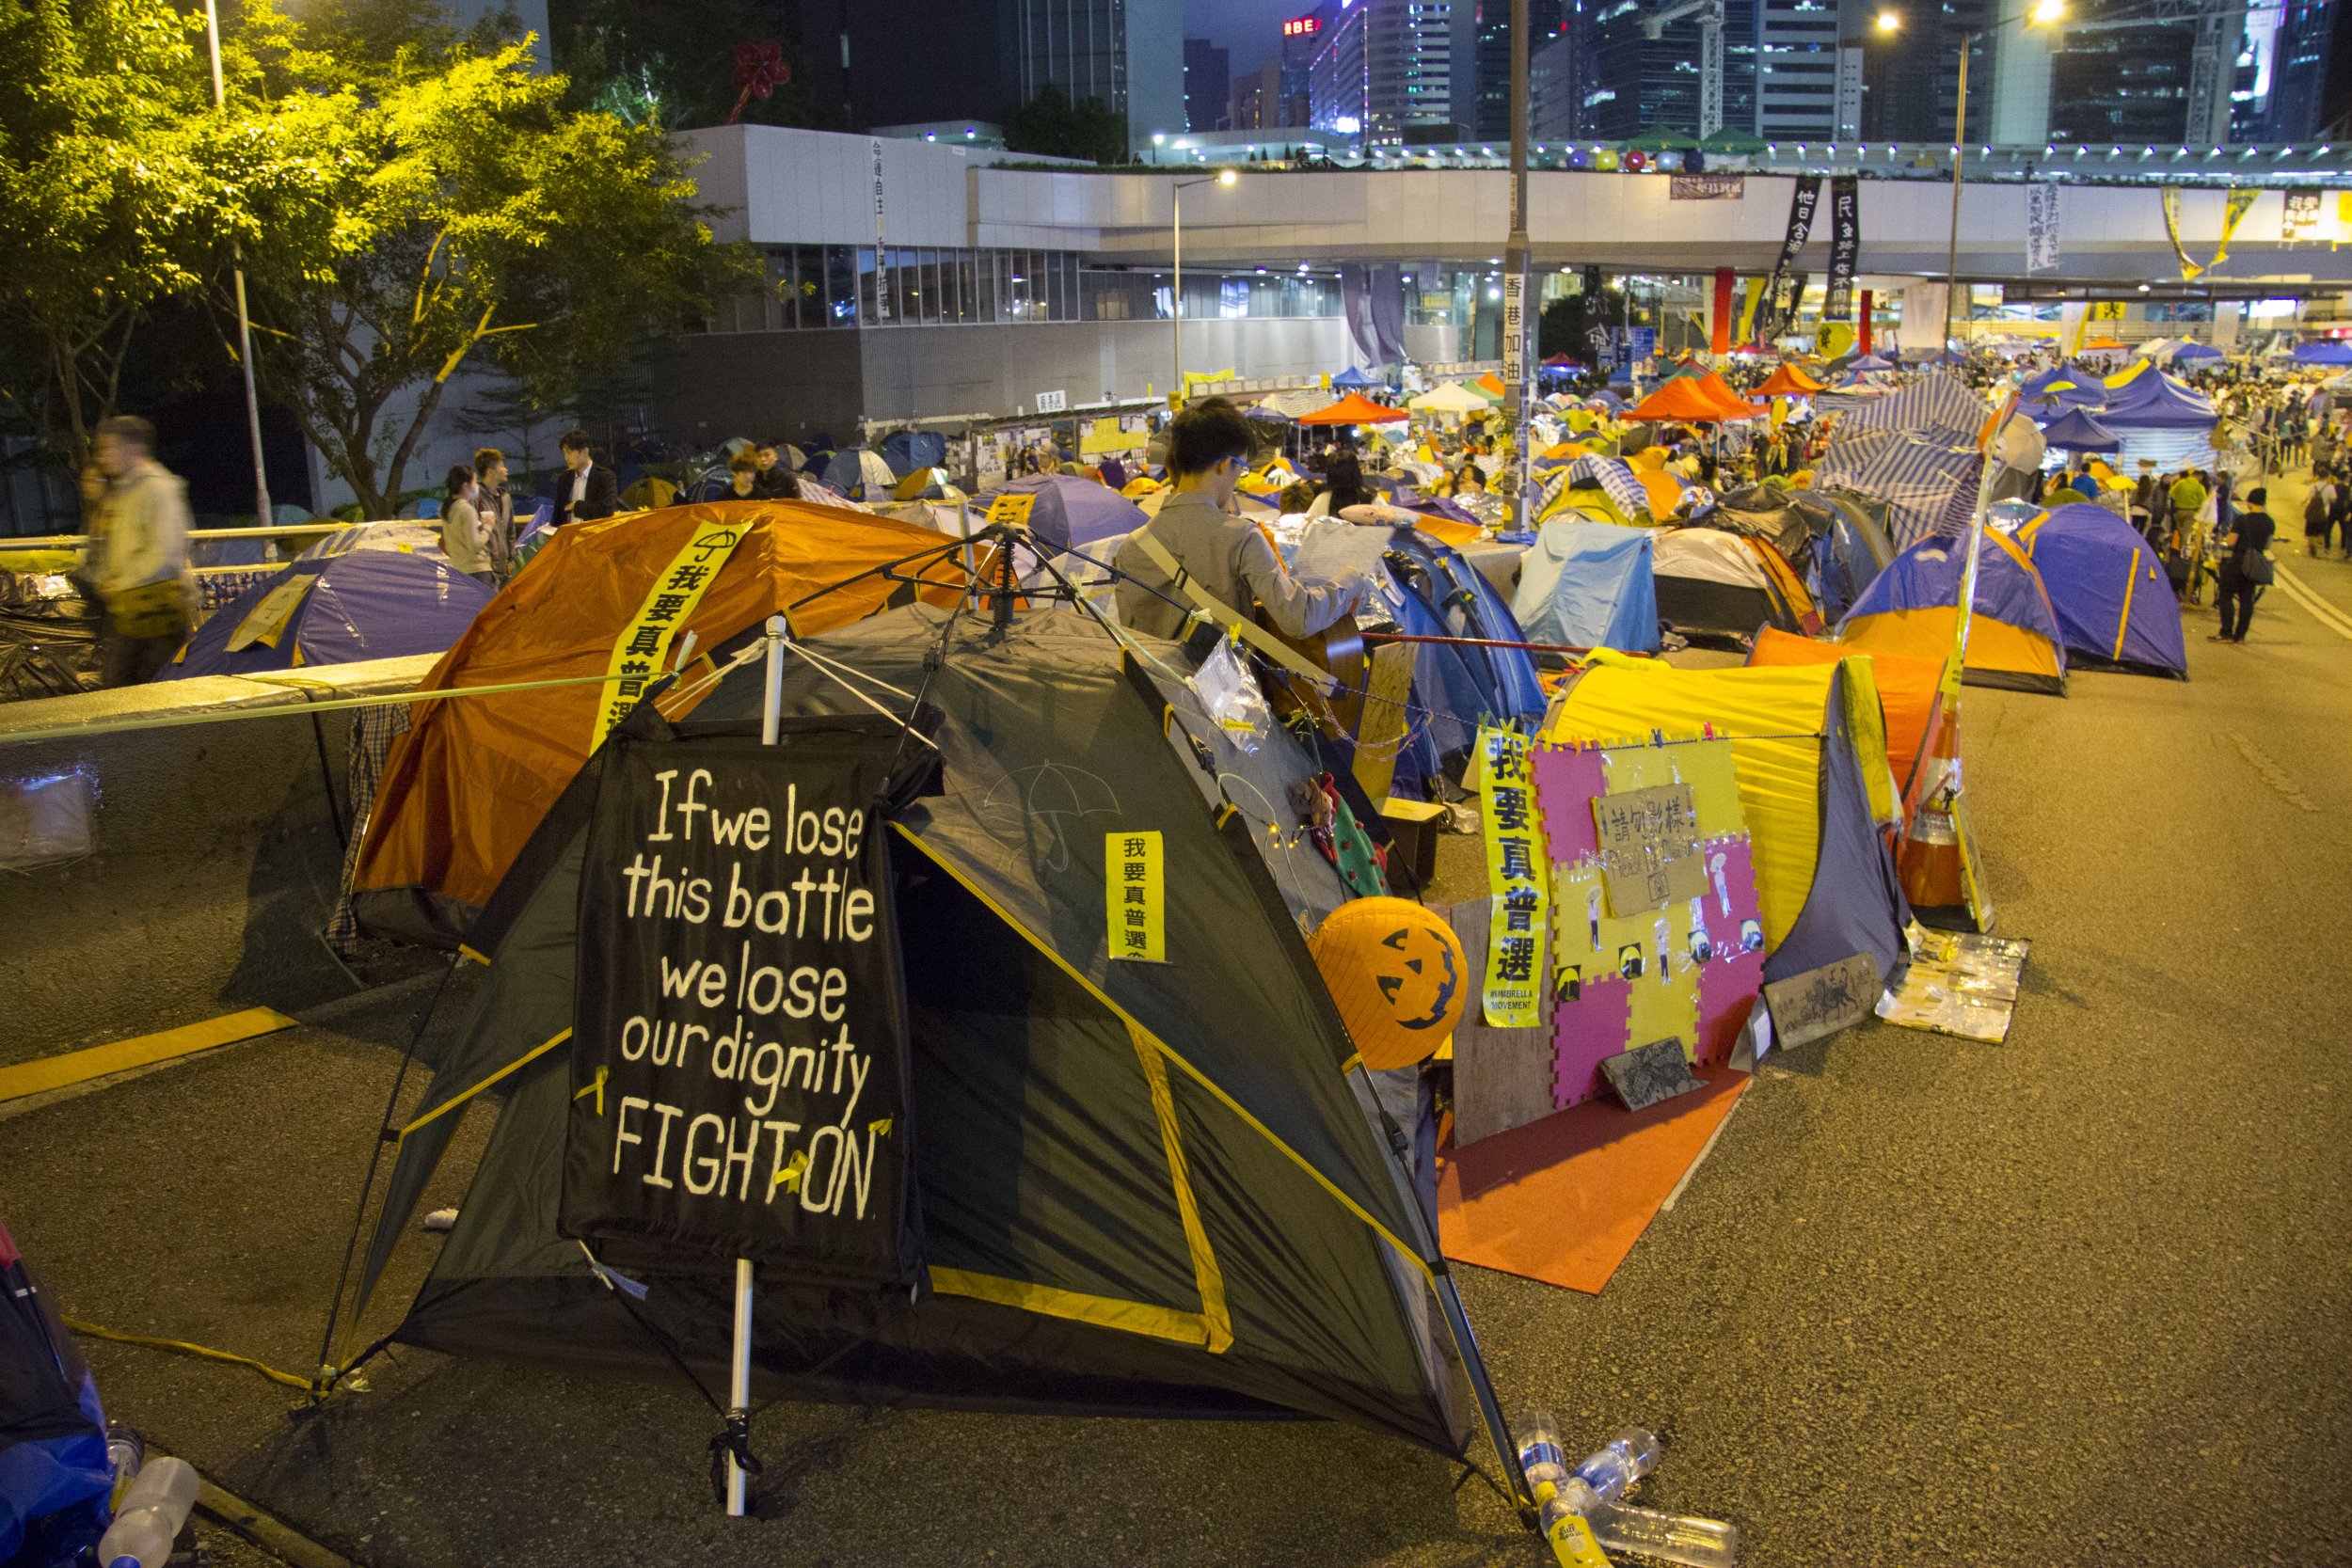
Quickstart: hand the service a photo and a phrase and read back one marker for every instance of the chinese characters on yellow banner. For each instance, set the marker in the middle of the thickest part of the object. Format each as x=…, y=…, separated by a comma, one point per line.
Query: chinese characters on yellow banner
x=642, y=651
x=1133, y=895
x=1514, y=871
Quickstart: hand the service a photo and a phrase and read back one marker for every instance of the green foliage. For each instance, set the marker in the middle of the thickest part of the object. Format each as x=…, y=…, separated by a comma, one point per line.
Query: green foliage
x=1050, y=124
x=119, y=188
x=672, y=62
x=461, y=218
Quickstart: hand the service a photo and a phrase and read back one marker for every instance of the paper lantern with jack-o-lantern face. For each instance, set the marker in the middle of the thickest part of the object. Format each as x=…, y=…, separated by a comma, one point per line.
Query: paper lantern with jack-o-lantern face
x=1398, y=976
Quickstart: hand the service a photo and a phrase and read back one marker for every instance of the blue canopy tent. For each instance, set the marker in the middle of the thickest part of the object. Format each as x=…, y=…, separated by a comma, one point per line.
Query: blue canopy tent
x=336, y=609
x=1589, y=585
x=910, y=449
x=2076, y=430
x=2329, y=353
x=1354, y=380
x=1869, y=363
x=1069, y=512
x=2108, y=589
x=2196, y=352
x=2064, y=387
x=2161, y=418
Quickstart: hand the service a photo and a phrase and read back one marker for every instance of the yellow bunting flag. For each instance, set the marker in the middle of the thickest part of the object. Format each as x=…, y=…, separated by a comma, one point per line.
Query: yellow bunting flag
x=1133, y=897
x=1512, y=995
x=642, y=649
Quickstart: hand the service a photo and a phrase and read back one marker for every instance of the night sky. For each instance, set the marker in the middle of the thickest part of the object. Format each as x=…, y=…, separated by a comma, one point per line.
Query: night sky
x=1251, y=28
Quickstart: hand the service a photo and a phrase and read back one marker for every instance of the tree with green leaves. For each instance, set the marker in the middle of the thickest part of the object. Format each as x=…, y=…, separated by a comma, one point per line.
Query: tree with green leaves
x=464, y=219
x=121, y=189
x=1052, y=125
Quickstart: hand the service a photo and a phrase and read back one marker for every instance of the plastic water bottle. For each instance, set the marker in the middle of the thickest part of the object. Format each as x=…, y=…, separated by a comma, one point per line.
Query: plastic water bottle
x=1670, y=1537
x=125, y=1453
x=1626, y=1457
x=1538, y=1439
x=150, y=1516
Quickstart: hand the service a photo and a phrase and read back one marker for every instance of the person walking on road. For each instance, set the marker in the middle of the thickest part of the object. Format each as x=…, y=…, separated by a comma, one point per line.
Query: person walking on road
x=2245, y=567
x=2319, y=512
x=136, y=555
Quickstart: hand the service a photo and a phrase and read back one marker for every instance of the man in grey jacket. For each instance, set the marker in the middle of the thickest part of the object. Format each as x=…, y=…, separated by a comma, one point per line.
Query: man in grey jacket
x=1226, y=557
x=137, y=555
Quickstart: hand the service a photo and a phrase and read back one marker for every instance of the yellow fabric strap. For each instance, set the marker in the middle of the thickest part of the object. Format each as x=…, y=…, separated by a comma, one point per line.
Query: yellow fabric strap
x=516, y=1065
x=1217, y=1323
x=2123, y=623
x=1216, y=610
x=1131, y=1317
x=1159, y=1045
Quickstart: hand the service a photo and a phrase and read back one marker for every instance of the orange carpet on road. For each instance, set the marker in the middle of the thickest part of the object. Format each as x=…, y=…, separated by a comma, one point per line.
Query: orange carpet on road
x=1563, y=1199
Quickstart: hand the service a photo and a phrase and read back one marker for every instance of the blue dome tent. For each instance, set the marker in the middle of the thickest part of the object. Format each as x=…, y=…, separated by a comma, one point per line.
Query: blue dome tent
x=1589, y=585
x=2108, y=589
x=910, y=449
x=1069, y=512
x=336, y=609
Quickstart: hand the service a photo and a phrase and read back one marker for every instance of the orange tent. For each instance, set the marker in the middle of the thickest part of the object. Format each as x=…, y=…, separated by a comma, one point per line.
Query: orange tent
x=463, y=790
x=1355, y=409
x=1907, y=689
x=1490, y=383
x=1787, y=382
x=1690, y=399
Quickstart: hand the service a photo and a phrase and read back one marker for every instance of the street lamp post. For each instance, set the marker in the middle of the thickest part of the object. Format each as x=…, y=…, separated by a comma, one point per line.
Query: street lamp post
x=262, y=516
x=2044, y=11
x=1176, y=294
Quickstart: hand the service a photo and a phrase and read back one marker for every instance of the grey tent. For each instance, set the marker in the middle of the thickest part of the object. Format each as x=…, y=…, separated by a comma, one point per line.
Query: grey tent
x=1144, y=1188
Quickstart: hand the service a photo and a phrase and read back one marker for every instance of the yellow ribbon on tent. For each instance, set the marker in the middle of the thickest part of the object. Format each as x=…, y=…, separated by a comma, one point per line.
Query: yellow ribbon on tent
x=641, y=650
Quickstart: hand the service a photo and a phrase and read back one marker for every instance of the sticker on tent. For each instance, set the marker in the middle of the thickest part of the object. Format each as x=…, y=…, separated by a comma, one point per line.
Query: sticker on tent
x=1134, y=896
x=741, y=1044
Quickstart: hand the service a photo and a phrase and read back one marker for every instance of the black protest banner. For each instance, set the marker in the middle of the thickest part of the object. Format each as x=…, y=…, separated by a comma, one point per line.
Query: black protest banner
x=738, y=1048
x=1845, y=246
x=1779, y=307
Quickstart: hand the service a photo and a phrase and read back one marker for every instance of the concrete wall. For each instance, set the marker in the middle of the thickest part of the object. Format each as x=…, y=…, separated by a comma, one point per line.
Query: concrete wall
x=786, y=386
x=213, y=864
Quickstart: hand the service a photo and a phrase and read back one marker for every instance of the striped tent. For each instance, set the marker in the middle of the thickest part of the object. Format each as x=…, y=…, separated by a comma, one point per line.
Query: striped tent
x=1937, y=403
x=1616, y=478
x=1928, y=489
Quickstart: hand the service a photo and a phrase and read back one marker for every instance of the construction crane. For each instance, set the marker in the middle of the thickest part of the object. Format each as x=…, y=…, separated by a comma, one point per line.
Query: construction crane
x=1711, y=15
x=2220, y=27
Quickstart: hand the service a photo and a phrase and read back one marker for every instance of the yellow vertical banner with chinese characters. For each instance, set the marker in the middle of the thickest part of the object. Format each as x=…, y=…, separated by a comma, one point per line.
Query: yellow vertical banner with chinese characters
x=1135, y=896
x=1512, y=993
x=642, y=649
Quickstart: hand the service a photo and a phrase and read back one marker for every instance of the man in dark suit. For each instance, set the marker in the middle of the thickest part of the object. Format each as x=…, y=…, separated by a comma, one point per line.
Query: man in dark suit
x=587, y=491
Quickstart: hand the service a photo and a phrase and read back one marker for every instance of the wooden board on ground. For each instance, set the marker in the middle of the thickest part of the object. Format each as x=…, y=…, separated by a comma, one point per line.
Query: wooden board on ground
x=1501, y=1077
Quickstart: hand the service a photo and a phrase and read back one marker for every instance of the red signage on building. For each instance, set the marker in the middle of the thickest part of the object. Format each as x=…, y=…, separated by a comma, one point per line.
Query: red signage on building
x=1299, y=26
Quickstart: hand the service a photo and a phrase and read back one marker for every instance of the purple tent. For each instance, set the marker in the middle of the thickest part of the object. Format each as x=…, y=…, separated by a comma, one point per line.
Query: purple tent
x=2151, y=400
x=1069, y=511
x=370, y=604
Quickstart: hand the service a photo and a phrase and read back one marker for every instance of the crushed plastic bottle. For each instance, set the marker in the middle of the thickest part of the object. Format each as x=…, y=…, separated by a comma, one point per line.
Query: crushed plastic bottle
x=150, y=1516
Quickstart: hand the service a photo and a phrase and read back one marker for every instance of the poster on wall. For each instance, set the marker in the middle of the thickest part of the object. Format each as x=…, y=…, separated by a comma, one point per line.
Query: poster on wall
x=739, y=1046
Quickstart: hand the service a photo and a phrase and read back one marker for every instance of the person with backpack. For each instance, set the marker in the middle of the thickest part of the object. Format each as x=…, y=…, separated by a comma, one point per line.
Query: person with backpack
x=2244, y=568
x=2319, y=512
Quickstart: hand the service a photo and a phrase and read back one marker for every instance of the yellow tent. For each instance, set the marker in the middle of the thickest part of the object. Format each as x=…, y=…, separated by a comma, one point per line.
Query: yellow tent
x=1776, y=717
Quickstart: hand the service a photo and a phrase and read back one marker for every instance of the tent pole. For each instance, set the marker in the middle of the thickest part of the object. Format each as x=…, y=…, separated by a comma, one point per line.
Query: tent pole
x=740, y=1362
x=1490, y=1409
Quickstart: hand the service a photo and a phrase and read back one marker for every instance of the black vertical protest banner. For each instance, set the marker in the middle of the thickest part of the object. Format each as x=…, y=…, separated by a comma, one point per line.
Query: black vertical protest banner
x=1779, y=309
x=1845, y=246
x=739, y=1043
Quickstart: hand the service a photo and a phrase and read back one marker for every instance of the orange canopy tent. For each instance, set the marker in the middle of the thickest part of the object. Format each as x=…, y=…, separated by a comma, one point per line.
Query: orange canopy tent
x=1355, y=409
x=463, y=790
x=1787, y=382
x=1690, y=399
x=1907, y=686
x=1490, y=383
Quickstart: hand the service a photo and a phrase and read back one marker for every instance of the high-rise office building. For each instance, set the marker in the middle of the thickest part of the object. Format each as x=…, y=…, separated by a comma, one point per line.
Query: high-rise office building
x=1545, y=21
x=1208, y=85
x=1797, y=61
x=1395, y=70
x=1301, y=35
x=1127, y=53
x=1627, y=82
x=894, y=62
x=2291, y=69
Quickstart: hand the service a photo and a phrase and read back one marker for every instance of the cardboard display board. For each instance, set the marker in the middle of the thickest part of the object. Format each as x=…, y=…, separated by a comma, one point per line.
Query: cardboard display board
x=740, y=1054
